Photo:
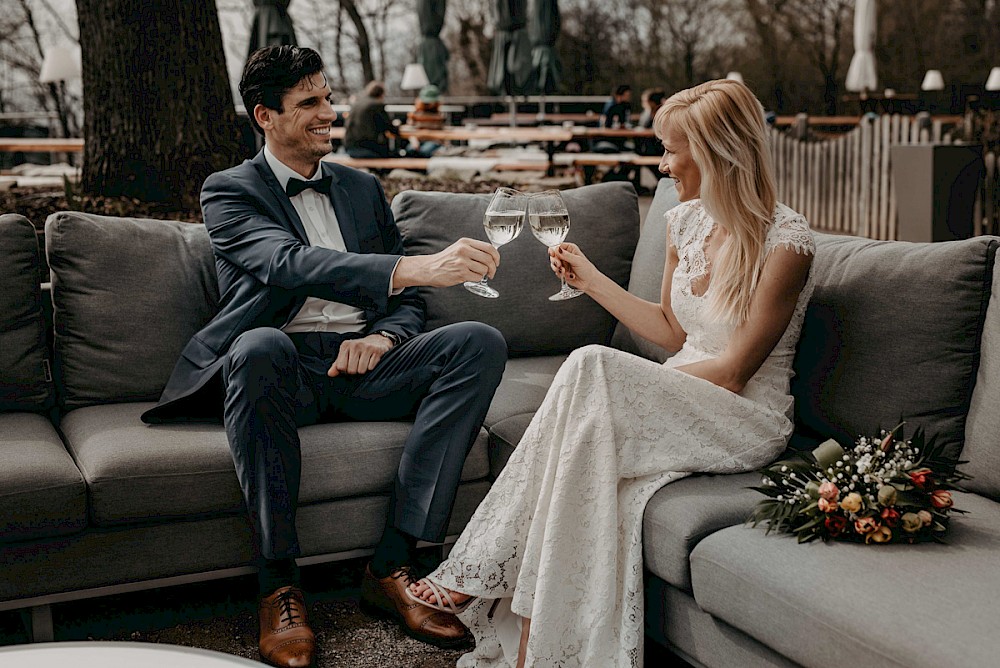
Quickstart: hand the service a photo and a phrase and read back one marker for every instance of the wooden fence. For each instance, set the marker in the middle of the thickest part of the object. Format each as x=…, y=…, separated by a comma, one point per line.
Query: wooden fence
x=844, y=184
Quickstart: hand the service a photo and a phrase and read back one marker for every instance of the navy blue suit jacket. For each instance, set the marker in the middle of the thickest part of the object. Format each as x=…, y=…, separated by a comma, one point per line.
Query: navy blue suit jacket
x=266, y=269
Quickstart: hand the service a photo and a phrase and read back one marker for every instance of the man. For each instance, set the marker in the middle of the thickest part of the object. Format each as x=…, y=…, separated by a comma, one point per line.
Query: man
x=617, y=111
x=367, y=124
x=319, y=320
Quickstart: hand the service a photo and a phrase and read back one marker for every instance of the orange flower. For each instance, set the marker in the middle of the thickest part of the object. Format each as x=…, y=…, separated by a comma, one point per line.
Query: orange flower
x=890, y=517
x=941, y=499
x=881, y=535
x=911, y=523
x=827, y=506
x=921, y=477
x=852, y=502
x=829, y=491
x=865, y=525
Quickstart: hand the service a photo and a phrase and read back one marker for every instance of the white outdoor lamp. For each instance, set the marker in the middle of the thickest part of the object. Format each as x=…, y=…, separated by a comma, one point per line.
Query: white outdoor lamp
x=932, y=81
x=60, y=64
x=993, y=81
x=414, y=77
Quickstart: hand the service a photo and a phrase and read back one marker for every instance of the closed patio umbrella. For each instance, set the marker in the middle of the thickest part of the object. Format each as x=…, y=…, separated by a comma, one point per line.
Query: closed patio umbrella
x=433, y=53
x=510, y=64
x=271, y=25
x=544, y=30
x=861, y=73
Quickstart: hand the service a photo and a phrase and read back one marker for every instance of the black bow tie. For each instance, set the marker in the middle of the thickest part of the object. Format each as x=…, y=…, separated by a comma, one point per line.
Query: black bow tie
x=296, y=186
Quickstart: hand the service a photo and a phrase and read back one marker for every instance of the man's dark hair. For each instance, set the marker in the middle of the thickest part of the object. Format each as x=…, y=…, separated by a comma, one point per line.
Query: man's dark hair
x=657, y=96
x=273, y=71
x=621, y=90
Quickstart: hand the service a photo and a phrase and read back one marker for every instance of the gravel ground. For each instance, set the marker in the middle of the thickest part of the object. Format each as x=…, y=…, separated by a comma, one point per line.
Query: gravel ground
x=222, y=616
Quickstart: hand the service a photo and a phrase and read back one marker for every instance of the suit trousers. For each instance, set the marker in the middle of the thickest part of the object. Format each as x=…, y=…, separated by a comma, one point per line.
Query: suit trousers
x=276, y=382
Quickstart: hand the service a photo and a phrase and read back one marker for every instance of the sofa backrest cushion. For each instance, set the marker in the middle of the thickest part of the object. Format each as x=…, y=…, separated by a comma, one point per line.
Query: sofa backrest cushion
x=646, y=277
x=604, y=223
x=892, y=333
x=982, y=429
x=25, y=377
x=128, y=293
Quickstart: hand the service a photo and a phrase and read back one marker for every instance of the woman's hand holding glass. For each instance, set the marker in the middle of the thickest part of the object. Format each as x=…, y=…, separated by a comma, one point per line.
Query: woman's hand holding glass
x=549, y=220
x=572, y=266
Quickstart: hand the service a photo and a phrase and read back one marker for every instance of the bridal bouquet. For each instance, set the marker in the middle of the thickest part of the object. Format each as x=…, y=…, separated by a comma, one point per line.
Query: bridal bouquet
x=883, y=490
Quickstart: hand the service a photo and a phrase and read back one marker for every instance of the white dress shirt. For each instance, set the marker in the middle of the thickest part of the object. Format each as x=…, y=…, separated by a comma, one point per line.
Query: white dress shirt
x=320, y=221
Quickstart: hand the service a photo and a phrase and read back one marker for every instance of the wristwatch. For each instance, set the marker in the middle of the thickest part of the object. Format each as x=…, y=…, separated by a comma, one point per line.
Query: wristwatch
x=389, y=335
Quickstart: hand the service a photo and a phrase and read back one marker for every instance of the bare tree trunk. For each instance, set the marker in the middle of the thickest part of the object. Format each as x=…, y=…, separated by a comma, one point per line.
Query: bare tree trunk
x=364, y=44
x=158, y=113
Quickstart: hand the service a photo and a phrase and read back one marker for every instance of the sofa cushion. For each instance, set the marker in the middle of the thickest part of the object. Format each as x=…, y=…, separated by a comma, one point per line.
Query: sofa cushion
x=25, y=377
x=128, y=294
x=42, y=491
x=917, y=606
x=138, y=472
x=523, y=386
x=892, y=333
x=646, y=277
x=982, y=428
x=684, y=512
x=504, y=438
x=605, y=224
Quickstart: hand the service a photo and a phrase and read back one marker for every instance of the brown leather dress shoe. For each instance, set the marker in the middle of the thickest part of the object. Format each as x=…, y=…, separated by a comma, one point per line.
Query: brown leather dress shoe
x=387, y=598
x=286, y=640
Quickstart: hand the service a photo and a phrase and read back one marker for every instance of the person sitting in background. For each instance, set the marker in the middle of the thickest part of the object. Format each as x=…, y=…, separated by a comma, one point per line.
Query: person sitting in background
x=426, y=109
x=617, y=112
x=368, y=124
x=652, y=100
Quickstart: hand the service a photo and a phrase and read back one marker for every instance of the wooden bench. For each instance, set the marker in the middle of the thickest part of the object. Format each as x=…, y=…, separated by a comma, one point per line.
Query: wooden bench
x=587, y=163
x=379, y=164
x=40, y=145
x=421, y=164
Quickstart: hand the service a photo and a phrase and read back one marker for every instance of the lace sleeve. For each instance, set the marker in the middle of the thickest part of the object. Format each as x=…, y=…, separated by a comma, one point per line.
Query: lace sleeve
x=678, y=227
x=791, y=231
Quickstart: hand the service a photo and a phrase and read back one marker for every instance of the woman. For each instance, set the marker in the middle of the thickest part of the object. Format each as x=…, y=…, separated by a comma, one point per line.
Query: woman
x=550, y=566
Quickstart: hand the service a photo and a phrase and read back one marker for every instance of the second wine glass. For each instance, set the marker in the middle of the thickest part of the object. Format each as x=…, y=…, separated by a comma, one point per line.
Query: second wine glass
x=503, y=221
x=549, y=220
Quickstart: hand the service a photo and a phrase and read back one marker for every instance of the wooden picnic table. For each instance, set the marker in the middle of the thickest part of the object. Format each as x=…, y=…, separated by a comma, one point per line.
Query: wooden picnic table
x=421, y=164
x=532, y=118
x=503, y=134
x=612, y=133
x=549, y=137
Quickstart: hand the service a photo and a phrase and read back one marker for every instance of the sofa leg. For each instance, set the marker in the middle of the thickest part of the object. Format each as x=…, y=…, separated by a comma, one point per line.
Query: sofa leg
x=40, y=626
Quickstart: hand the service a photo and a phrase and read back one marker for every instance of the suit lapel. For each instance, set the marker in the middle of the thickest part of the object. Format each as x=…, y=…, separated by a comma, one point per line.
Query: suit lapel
x=345, y=211
x=278, y=195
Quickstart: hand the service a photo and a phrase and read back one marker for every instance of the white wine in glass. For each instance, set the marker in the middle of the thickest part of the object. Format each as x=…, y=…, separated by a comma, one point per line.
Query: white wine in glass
x=503, y=221
x=549, y=220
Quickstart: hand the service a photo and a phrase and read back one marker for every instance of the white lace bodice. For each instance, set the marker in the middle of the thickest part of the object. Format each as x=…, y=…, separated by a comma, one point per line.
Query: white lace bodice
x=690, y=226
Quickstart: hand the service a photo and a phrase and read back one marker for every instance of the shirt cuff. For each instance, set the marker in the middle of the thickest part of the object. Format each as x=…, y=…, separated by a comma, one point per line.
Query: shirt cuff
x=393, y=293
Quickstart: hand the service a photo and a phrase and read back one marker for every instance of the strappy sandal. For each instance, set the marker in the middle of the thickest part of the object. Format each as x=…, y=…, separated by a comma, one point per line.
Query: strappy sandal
x=445, y=602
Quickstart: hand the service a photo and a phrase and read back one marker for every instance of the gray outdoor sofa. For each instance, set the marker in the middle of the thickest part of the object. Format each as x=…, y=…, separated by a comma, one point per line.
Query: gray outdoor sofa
x=92, y=501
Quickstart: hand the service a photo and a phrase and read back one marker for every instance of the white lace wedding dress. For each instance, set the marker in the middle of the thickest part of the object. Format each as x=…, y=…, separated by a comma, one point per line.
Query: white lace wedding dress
x=559, y=536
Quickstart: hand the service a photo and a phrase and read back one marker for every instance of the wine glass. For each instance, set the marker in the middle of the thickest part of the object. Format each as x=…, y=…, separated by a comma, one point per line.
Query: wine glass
x=549, y=220
x=503, y=221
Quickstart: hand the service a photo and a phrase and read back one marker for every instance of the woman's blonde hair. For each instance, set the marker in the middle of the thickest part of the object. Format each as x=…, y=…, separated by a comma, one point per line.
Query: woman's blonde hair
x=726, y=134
